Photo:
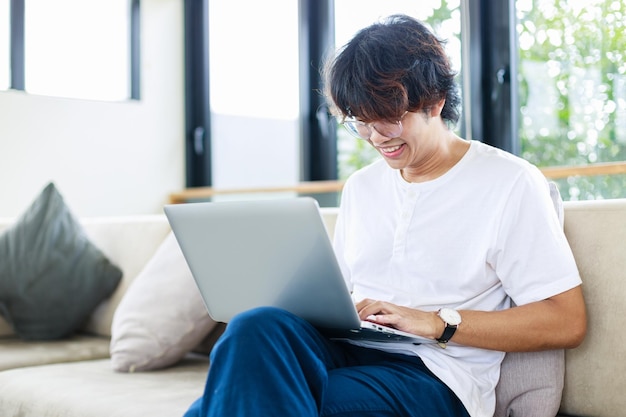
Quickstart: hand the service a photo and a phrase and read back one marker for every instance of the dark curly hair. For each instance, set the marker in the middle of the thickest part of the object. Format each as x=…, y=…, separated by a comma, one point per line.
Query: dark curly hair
x=391, y=67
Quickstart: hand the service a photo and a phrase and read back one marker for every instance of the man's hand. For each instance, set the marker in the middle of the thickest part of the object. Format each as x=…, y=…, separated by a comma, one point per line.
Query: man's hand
x=421, y=323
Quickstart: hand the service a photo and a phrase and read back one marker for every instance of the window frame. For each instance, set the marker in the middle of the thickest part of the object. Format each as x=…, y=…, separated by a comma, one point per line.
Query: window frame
x=16, y=40
x=317, y=128
x=198, y=167
x=490, y=45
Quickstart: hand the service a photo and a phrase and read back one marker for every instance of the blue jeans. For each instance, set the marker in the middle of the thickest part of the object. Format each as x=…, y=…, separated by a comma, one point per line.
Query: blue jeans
x=269, y=362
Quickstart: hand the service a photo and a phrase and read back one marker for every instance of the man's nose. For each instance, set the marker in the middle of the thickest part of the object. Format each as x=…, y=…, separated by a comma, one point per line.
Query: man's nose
x=377, y=138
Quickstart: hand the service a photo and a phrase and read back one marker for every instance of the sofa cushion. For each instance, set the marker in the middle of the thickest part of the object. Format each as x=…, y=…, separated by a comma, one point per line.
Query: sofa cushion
x=161, y=317
x=91, y=389
x=51, y=276
x=18, y=353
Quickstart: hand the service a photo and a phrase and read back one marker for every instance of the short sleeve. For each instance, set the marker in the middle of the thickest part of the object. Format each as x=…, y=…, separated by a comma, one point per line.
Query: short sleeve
x=532, y=256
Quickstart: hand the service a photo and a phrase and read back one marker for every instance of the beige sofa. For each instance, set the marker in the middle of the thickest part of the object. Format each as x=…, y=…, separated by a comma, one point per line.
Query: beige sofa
x=74, y=378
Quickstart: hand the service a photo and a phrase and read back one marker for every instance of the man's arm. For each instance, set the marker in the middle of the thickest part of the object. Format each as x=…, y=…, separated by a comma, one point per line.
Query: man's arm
x=556, y=322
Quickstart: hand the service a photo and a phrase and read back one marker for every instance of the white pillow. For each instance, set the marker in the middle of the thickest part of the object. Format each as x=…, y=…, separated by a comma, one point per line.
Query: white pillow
x=161, y=316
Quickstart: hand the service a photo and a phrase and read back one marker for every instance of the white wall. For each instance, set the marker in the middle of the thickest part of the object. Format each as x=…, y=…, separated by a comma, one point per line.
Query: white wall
x=106, y=158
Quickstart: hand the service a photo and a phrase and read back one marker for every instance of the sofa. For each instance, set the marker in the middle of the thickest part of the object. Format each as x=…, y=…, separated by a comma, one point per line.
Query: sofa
x=76, y=375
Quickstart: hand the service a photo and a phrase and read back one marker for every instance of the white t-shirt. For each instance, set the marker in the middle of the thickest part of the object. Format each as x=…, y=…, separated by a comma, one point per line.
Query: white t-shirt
x=480, y=235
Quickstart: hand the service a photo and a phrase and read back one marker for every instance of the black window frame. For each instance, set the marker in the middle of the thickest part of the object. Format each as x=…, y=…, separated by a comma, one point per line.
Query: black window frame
x=198, y=167
x=491, y=59
x=317, y=130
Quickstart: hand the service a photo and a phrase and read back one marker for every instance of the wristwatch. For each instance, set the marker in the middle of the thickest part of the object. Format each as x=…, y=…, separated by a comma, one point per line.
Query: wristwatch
x=451, y=319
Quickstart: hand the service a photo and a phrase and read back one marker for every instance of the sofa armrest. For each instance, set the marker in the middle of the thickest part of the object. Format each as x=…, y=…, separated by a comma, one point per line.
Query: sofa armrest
x=595, y=374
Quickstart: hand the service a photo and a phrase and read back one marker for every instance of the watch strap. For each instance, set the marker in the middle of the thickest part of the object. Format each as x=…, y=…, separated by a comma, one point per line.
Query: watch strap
x=448, y=332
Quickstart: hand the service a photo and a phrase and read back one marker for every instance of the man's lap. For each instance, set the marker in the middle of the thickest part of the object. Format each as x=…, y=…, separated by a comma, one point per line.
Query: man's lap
x=387, y=385
x=356, y=381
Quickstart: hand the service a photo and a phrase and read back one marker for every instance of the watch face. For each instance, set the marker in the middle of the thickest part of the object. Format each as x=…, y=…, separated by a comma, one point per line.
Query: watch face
x=450, y=316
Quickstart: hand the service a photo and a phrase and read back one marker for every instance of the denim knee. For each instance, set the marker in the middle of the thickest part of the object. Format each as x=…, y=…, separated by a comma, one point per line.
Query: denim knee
x=257, y=325
x=259, y=317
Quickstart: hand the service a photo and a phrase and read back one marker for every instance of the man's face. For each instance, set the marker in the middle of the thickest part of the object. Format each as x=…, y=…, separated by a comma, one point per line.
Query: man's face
x=416, y=145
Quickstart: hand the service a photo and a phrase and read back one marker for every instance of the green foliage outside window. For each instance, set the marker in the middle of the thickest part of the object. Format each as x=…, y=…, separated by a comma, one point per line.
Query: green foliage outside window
x=573, y=89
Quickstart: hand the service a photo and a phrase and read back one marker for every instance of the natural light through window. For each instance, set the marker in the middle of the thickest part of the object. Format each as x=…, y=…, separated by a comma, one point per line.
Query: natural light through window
x=77, y=48
x=254, y=58
x=5, y=54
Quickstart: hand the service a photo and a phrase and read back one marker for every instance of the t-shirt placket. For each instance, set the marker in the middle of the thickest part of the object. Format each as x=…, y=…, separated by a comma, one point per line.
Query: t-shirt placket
x=404, y=221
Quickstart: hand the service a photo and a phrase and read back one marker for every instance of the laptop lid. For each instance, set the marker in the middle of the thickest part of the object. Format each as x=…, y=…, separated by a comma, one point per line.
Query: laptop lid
x=246, y=254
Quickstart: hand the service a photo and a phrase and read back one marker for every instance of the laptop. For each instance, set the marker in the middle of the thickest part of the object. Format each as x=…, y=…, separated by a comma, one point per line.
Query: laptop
x=246, y=254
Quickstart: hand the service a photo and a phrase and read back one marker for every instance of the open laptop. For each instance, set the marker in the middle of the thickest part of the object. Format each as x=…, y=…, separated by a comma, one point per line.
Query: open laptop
x=247, y=254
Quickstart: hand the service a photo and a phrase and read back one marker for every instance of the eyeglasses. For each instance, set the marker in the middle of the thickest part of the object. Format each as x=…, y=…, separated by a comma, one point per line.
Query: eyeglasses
x=362, y=130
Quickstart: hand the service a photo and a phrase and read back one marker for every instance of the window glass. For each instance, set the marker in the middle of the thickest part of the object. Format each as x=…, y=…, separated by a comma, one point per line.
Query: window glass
x=77, y=48
x=572, y=89
x=254, y=93
x=254, y=58
x=5, y=54
x=443, y=16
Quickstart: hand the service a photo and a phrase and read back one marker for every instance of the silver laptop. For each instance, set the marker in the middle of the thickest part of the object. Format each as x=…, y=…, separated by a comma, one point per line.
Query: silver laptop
x=248, y=254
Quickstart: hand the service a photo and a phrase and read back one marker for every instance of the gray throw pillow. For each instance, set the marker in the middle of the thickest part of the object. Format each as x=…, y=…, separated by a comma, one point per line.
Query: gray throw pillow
x=531, y=384
x=51, y=276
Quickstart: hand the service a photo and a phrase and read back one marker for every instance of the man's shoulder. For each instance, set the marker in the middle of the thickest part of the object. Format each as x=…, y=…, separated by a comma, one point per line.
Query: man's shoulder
x=498, y=162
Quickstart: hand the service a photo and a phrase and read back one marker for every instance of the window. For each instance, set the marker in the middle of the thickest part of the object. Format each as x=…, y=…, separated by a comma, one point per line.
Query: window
x=444, y=17
x=572, y=89
x=5, y=50
x=253, y=59
x=71, y=48
x=77, y=49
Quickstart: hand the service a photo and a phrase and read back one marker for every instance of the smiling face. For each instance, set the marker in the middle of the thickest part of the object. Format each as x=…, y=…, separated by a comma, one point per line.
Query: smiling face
x=390, y=68
x=404, y=150
x=422, y=148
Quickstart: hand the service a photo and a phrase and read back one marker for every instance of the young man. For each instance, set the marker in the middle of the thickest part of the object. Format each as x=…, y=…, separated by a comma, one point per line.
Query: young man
x=435, y=239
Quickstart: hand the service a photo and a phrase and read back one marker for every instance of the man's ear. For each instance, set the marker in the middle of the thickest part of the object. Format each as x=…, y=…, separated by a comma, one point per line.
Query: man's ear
x=436, y=110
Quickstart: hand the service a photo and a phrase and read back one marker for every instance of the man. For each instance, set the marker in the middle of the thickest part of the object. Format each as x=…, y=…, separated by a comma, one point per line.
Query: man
x=435, y=239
